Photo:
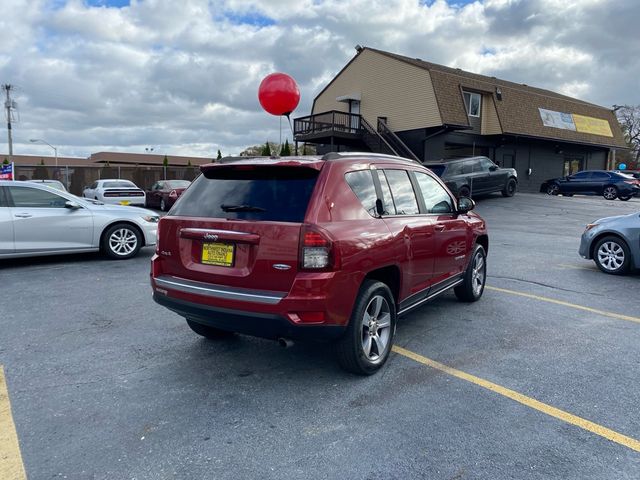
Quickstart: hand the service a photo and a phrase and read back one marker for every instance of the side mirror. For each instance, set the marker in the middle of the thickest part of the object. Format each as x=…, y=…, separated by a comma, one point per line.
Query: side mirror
x=493, y=168
x=71, y=205
x=465, y=204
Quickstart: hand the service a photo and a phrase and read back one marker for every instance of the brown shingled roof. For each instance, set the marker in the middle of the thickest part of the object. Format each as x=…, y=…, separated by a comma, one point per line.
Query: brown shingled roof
x=518, y=110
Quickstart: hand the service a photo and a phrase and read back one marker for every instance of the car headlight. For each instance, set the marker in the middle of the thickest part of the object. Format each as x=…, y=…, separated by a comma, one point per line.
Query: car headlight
x=151, y=218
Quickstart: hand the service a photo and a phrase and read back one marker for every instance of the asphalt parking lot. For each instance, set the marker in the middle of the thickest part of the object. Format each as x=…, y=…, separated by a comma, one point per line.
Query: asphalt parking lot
x=539, y=379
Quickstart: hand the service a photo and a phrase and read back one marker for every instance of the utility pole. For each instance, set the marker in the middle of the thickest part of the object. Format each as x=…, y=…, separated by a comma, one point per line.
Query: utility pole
x=8, y=104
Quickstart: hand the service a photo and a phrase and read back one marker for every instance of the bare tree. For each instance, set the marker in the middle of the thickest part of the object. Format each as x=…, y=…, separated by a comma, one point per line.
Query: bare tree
x=629, y=118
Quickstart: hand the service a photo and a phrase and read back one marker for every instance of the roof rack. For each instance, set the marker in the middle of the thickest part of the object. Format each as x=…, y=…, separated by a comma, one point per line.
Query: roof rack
x=343, y=155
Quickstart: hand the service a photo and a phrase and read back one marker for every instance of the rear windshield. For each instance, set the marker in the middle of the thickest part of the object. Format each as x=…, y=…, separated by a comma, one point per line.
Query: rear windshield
x=122, y=184
x=437, y=169
x=178, y=183
x=278, y=194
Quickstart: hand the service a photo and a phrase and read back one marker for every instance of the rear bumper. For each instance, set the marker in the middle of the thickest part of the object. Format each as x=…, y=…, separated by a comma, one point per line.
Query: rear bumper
x=137, y=201
x=265, y=325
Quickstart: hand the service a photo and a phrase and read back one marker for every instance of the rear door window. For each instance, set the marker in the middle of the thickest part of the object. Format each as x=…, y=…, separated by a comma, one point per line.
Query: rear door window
x=404, y=197
x=361, y=183
x=270, y=193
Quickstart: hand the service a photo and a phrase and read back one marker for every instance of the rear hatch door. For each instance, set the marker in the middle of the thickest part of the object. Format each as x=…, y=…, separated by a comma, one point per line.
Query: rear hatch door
x=239, y=226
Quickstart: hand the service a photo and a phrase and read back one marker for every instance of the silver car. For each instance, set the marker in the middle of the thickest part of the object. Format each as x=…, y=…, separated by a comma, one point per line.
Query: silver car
x=38, y=220
x=613, y=243
x=115, y=191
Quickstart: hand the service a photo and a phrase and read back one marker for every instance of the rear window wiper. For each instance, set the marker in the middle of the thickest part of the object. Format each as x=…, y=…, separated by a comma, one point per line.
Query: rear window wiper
x=241, y=208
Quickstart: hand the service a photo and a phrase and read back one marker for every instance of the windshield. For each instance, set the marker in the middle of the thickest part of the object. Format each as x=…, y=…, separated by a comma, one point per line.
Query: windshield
x=119, y=184
x=437, y=169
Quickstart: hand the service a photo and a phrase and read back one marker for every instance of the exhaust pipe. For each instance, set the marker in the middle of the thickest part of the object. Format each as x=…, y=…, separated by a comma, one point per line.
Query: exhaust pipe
x=285, y=342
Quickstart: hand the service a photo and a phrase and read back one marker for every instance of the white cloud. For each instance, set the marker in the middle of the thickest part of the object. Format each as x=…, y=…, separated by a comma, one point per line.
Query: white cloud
x=183, y=76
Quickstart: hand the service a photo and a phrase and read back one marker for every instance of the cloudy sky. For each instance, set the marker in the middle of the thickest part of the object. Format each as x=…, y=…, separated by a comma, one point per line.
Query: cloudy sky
x=182, y=76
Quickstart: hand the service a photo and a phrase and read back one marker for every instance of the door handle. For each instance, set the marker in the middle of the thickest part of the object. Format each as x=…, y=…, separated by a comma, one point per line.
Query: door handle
x=439, y=227
x=23, y=215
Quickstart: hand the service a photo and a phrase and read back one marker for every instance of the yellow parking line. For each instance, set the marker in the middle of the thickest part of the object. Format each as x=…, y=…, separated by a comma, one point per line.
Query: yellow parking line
x=618, y=316
x=576, y=267
x=607, y=433
x=11, y=466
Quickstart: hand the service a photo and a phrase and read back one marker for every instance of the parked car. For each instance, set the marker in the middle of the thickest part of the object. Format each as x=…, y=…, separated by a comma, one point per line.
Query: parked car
x=51, y=183
x=316, y=247
x=610, y=185
x=36, y=220
x=163, y=194
x=474, y=176
x=115, y=191
x=613, y=243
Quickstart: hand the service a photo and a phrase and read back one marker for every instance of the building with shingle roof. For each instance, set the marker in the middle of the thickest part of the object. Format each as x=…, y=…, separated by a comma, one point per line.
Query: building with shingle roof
x=391, y=103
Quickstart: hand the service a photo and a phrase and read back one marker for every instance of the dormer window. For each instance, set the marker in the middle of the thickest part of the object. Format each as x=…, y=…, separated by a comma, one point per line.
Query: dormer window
x=472, y=102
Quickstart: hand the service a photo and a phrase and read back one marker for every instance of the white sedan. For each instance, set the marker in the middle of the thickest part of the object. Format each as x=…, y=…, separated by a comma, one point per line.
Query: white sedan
x=37, y=220
x=115, y=191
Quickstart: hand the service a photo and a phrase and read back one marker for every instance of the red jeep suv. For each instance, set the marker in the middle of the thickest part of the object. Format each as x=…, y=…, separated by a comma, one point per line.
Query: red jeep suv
x=334, y=247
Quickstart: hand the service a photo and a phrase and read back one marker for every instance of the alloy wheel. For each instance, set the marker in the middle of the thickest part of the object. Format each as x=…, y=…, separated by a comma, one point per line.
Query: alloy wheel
x=553, y=189
x=478, y=275
x=123, y=241
x=376, y=327
x=610, y=193
x=611, y=256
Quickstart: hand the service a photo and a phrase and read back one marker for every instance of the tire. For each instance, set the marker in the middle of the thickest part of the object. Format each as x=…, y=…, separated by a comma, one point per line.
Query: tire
x=464, y=192
x=163, y=206
x=206, y=331
x=510, y=188
x=475, y=277
x=121, y=241
x=553, y=189
x=366, y=344
x=610, y=192
x=624, y=198
x=611, y=255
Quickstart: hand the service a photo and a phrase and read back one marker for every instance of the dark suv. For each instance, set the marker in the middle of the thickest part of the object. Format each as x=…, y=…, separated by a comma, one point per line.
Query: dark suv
x=475, y=175
x=335, y=247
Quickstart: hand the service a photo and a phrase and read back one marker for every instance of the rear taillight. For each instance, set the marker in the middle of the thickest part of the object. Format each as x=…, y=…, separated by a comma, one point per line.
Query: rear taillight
x=173, y=194
x=316, y=250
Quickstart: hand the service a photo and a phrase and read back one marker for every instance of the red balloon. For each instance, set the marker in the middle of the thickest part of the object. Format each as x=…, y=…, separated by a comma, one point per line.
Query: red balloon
x=279, y=94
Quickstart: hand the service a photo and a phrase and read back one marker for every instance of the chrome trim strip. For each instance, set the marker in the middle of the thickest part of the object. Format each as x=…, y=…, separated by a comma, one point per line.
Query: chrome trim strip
x=218, y=291
x=429, y=297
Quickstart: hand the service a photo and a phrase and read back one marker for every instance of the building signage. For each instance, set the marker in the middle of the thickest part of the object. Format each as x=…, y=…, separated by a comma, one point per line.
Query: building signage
x=6, y=172
x=597, y=126
x=557, y=119
x=575, y=122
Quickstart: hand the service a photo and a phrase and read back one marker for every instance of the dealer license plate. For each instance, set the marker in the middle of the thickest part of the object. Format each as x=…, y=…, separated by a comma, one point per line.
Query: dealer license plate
x=217, y=254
